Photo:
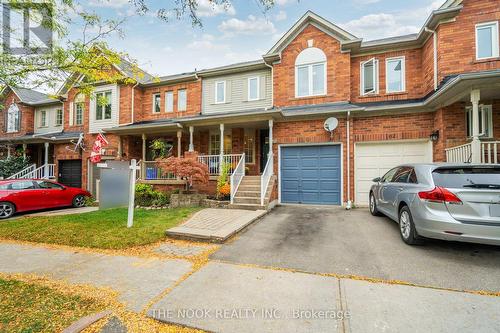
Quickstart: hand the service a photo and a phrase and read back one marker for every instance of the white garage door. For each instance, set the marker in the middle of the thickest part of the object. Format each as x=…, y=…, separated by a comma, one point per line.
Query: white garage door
x=375, y=159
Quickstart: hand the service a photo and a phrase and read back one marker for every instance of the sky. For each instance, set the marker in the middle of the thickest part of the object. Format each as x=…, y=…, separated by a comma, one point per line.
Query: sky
x=242, y=32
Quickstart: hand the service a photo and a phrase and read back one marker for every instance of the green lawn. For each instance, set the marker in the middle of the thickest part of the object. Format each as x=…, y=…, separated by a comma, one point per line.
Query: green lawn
x=105, y=229
x=27, y=307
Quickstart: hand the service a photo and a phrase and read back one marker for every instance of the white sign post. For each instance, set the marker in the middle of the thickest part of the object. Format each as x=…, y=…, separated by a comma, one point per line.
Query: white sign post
x=131, y=197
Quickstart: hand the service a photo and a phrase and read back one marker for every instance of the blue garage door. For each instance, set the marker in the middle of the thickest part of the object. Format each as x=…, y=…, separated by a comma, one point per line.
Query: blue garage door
x=310, y=174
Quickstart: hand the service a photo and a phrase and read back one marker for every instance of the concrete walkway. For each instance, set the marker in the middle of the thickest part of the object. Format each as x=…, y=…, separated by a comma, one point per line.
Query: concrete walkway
x=138, y=280
x=231, y=298
x=215, y=225
x=64, y=211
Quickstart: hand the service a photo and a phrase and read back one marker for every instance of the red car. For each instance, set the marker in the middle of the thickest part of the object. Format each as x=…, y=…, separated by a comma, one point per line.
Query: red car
x=21, y=195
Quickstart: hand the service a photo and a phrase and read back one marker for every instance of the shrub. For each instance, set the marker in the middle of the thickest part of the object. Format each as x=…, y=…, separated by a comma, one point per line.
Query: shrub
x=223, y=181
x=146, y=196
x=13, y=165
x=188, y=169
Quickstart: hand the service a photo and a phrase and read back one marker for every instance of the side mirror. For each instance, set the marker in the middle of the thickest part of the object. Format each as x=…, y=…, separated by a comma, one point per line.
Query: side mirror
x=377, y=180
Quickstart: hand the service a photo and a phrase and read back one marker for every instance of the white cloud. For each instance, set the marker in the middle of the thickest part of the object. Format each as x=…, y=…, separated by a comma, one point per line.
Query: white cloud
x=251, y=26
x=365, y=2
x=207, y=8
x=205, y=43
x=281, y=16
x=381, y=25
x=108, y=3
x=285, y=2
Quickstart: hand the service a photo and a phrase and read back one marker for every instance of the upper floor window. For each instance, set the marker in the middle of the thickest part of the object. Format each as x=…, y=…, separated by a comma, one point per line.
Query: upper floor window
x=220, y=92
x=156, y=103
x=253, y=88
x=181, y=100
x=169, y=101
x=59, y=117
x=79, y=109
x=487, y=40
x=395, y=75
x=485, y=121
x=13, y=119
x=310, y=73
x=369, y=77
x=43, y=118
x=103, y=105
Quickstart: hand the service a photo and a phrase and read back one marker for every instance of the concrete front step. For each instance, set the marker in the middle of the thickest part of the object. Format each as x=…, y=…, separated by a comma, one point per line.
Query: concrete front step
x=250, y=182
x=247, y=200
x=247, y=206
x=252, y=188
x=247, y=193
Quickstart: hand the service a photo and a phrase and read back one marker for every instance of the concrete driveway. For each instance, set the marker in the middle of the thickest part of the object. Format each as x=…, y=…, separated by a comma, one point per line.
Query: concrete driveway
x=332, y=240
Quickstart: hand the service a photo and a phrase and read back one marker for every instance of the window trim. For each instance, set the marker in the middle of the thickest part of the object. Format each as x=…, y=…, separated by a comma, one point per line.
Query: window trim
x=258, y=88
x=103, y=92
x=169, y=92
x=494, y=39
x=76, y=123
x=376, y=77
x=468, y=119
x=154, y=103
x=310, y=81
x=16, y=120
x=403, y=75
x=57, y=116
x=43, y=122
x=217, y=92
x=179, y=109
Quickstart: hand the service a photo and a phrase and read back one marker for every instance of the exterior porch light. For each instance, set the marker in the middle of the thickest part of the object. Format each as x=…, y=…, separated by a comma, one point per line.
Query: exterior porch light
x=435, y=135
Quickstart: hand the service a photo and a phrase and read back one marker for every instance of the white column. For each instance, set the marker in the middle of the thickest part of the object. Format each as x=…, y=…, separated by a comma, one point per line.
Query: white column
x=143, y=168
x=221, y=153
x=8, y=151
x=25, y=146
x=46, y=160
x=120, y=148
x=191, y=144
x=179, y=143
x=271, y=123
x=475, y=97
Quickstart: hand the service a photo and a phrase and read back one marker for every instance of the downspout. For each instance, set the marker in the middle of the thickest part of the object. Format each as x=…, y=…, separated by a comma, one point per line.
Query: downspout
x=435, y=37
x=349, y=203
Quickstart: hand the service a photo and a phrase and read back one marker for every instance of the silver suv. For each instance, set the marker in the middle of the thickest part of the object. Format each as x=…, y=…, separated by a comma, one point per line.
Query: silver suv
x=459, y=202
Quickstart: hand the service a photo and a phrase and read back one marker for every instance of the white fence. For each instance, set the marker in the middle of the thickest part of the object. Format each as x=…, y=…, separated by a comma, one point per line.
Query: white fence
x=266, y=177
x=237, y=177
x=213, y=162
x=463, y=154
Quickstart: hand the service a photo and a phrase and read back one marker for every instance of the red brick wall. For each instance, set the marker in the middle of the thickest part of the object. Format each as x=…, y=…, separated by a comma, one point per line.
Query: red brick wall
x=27, y=116
x=338, y=70
x=457, y=53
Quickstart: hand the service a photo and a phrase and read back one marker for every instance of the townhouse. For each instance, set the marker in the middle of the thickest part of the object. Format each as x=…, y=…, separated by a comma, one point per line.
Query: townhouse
x=430, y=96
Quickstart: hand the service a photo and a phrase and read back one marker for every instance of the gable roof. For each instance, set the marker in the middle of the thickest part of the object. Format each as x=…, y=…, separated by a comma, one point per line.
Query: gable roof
x=310, y=18
x=32, y=97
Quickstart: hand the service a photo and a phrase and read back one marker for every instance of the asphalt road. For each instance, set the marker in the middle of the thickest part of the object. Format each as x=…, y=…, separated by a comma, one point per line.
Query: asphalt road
x=333, y=240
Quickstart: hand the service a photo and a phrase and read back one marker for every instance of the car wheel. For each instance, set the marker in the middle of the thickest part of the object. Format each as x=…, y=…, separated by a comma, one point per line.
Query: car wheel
x=79, y=201
x=407, y=227
x=373, y=205
x=6, y=210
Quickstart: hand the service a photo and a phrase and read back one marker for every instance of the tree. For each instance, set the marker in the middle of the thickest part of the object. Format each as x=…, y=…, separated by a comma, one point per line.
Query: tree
x=79, y=54
x=188, y=169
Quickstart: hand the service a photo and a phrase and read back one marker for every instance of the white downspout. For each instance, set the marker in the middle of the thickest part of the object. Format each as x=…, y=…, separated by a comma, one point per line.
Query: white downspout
x=349, y=203
x=435, y=37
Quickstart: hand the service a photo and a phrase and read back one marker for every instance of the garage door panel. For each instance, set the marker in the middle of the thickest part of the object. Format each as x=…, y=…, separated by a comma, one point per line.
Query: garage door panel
x=310, y=174
x=375, y=159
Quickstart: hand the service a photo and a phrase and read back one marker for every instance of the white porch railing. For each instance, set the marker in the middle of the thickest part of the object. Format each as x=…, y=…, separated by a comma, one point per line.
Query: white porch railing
x=237, y=177
x=463, y=153
x=266, y=177
x=24, y=173
x=148, y=170
x=213, y=162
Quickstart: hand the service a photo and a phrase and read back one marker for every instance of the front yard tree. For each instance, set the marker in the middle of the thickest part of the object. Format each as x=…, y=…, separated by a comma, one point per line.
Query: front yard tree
x=188, y=169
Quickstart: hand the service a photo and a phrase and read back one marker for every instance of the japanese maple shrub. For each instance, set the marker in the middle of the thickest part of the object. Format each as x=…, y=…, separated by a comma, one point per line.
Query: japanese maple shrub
x=188, y=169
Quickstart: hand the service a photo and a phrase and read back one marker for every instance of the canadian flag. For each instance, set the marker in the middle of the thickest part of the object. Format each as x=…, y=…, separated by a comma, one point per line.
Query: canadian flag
x=100, y=142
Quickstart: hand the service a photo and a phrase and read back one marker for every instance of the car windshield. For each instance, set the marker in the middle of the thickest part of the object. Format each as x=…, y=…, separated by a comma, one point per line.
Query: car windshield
x=467, y=177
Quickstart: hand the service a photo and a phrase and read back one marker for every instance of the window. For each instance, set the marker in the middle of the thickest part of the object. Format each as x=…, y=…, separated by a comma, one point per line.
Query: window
x=156, y=103
x=249, y=141
x=485, y=121
x=395, y=75
x=369, y=77
x=181, y=100
x=169, y=101
x=389, y=175
x=402, y=175
x=214, y=144
x=487, y=40
x=413, y=177
x=13, y=119
x=22, y=185
x=310, y=73
x=48, y=185
x=79, y=108
x=43, y=118
x=253, y=88
x=59, y=117
x=103, y=105
x=220, y=92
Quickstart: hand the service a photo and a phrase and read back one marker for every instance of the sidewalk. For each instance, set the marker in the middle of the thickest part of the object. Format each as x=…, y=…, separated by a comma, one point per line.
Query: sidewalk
x=232, y=298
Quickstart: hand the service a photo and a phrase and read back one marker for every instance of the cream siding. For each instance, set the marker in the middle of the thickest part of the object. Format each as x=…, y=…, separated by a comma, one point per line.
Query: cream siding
x=237, y=92
x=50, y=120
x=96, y=126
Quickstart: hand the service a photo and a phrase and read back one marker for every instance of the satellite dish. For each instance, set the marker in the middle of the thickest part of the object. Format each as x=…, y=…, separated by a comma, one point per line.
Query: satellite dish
x=331, y=124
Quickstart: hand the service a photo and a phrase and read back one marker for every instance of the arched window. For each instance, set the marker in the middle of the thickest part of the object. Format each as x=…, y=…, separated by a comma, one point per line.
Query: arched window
x=79, y=109
x=13, y=119
x=310, y=73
